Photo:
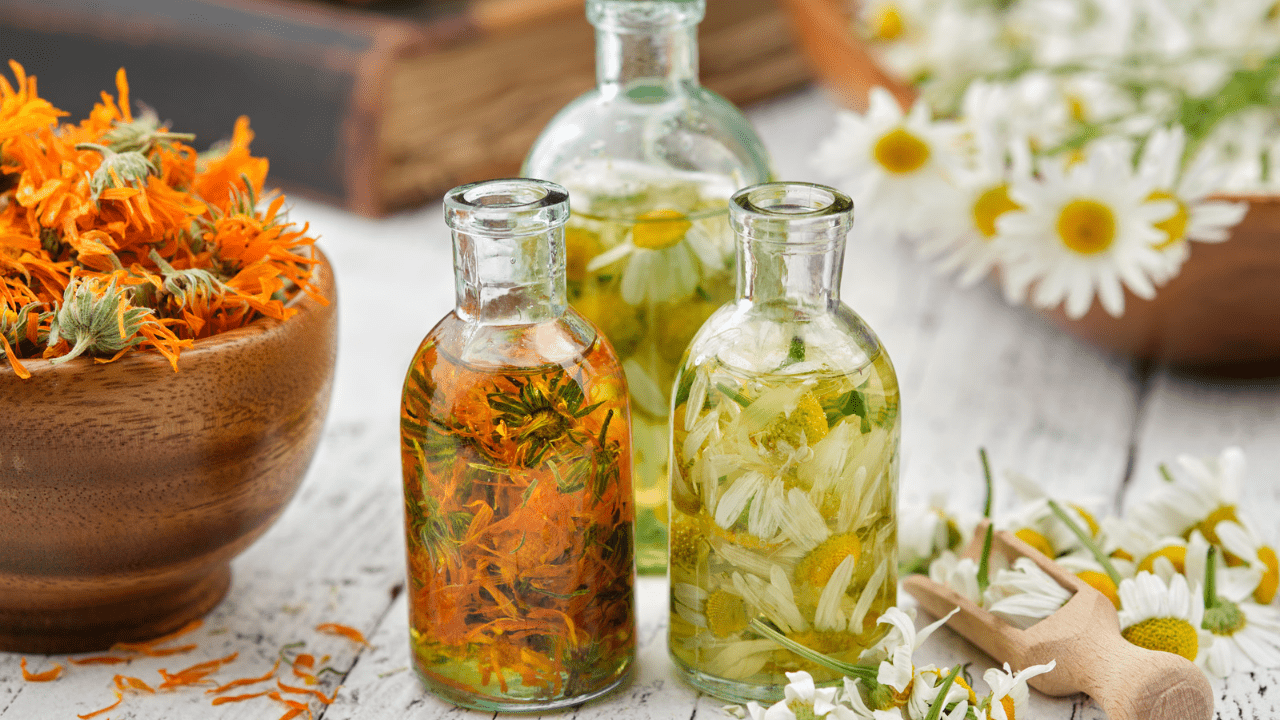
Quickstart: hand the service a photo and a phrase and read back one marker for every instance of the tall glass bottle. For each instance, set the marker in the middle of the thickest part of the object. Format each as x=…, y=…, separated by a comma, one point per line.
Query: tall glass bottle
x=515, y=446
x=650, y=159
x=784, y=459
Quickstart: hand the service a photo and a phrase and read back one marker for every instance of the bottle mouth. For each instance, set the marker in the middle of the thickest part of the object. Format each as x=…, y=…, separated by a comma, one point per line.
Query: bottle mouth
x=644, y=15
x=792, y=213
x=506, y=207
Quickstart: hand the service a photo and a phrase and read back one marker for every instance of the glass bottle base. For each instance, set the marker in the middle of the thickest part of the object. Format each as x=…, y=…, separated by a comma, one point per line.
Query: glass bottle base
x=462, y=698
x=727, y=690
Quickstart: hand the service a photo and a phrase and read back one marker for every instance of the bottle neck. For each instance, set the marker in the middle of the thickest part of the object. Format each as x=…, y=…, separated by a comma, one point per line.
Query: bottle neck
x=508, y=250
x=806, y=276
x=645, y=44
x=790, y=242
x=509, y=280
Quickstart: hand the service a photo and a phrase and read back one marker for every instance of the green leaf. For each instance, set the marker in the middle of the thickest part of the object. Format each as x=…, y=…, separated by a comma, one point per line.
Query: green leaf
x=939, y=704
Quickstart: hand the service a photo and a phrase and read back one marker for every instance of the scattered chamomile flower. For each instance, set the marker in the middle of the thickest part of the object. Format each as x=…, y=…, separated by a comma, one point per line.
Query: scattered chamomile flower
x=1024, y=594
x=802, y=700
x=893, y=163
x=1243, y=543
x=1246, y=634
x=1093, y=574
x=1160, y=616
x=959, y=574
x=1010, y=698
x=1205, y=493
x=926, y=531
x=1083, y=229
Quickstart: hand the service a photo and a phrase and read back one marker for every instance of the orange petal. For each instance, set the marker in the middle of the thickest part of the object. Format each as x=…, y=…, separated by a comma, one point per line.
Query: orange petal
x=46, y=676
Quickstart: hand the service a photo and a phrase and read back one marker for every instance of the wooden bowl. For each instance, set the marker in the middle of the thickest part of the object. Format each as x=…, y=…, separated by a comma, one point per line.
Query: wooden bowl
x=126, y=488
x=1222, y=310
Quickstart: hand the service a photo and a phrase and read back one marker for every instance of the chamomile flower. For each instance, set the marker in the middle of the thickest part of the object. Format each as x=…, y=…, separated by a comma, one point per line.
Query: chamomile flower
x=1024, y=594
x=926, y=531
x=1082, y=230
x=667, y=255
x=1205, y=493
x=1242, y=542
x=894, y=164
x=959, y=574
x=1010, y=698
x=1246, y=634
x=802, y=700
x=1195, y=216
x=1160, y=616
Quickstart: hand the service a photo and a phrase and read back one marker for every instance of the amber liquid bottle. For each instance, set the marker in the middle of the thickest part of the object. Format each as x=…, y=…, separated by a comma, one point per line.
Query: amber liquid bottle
x=515, y=447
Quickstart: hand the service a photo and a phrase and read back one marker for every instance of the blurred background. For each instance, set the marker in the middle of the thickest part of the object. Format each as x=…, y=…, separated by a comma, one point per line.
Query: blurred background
x=373, y=105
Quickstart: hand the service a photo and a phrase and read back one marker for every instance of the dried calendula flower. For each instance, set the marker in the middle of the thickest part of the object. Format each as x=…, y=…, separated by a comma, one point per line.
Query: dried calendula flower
x=100, y=321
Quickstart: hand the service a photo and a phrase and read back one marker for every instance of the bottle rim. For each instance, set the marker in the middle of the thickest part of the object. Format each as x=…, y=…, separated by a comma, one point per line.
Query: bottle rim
x=506, y=207
x=644, y=15
x=791, y=213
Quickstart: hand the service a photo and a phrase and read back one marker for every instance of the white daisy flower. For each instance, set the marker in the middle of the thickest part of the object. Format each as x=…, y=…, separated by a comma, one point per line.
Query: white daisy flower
x=1083, y=229
x=1195, y=216
x=1035, y=523
x=1242, y=541
x=1160, y=616
x=894, y=164
x=1024, y=595
x=1246, y=634
x=802, y=700
x=925, y=531
x=959, y=574
x=667, y=255
x=1206, y=492
x=1010, y=698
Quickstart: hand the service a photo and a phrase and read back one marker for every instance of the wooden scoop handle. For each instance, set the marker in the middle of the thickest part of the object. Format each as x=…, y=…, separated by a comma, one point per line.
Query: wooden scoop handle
x=1132, y=683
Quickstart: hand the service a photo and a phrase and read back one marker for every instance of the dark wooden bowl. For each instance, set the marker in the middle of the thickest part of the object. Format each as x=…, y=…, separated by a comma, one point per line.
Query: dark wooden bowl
x=126, y=488
x=1222, y=310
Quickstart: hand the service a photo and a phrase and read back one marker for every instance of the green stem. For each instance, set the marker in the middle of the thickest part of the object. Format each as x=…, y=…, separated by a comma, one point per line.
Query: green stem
x=733, y=394
x=865, y=673
x=1211, y=579
x=1088, y=542
x=1166, y=473
x=940, y=700
x=986, y=474
x=984, y=563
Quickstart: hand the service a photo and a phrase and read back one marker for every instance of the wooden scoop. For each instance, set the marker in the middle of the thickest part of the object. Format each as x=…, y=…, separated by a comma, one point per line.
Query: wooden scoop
x=1083, y=637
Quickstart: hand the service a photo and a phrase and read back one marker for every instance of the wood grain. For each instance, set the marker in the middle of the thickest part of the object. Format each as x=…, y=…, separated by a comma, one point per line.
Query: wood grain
x=126, y=488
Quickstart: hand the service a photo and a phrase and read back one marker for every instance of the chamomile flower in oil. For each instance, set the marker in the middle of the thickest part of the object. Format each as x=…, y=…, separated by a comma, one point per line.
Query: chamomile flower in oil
x=785, y=436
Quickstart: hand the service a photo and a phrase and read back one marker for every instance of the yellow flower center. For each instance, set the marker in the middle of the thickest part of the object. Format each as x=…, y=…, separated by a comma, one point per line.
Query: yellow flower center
x=802, y=709
x=726, y=614
x=1225, y=618
x=1037, y=541
x=1209, y=526
x=1102, y=583
x=660, y=229
x=900, y=152
x=816, y=567
x=683, y=542
x=1175, y=553
x=1173, y=635
x=1174, y=226
x=1007, y=703
x=1121, y=554
x=973, y=697
x=888, y=23
x=1077, y=108
x=579, y=247
x=991, y=205
x=1087, y=227
x=807, y=423
x=1266, y=590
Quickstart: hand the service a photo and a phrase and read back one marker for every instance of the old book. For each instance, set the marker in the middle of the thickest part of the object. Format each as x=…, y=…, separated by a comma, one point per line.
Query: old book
x=374, y=108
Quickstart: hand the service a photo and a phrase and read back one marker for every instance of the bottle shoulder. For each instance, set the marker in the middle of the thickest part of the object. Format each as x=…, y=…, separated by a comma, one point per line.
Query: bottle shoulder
x=691, y=130
x=564, y=341
x=780, y=339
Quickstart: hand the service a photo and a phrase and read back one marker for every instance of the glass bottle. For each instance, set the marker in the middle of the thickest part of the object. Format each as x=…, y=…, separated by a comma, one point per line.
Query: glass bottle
x=515, y=447
x=650, y=158
x=784, y=459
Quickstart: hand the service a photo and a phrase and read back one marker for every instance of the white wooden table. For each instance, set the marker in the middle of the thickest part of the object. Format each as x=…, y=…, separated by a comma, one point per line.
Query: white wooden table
x=973, y=371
